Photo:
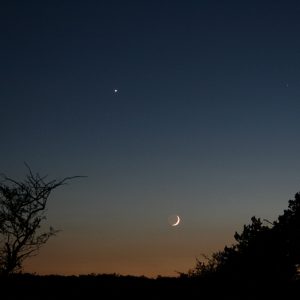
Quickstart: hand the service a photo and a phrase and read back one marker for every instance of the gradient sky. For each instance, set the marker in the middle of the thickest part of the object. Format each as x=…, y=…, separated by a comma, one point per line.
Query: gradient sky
x=205, y=124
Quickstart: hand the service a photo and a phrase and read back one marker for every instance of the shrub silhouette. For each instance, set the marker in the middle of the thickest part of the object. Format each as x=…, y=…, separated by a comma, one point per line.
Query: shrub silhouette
x=261, y=253
x=22, y=210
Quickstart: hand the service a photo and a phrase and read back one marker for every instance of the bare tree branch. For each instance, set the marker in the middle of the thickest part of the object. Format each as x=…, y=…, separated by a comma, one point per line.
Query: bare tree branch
x=22, y=210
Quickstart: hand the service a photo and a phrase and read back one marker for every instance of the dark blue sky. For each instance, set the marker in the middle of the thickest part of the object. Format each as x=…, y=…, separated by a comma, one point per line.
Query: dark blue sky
x=205, y=123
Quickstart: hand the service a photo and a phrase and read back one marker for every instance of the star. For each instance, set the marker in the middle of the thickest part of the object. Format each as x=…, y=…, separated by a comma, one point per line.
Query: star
x=115, y=91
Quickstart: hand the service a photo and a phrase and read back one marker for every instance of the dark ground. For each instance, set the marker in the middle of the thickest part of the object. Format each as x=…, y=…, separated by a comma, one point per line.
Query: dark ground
x=52, y=287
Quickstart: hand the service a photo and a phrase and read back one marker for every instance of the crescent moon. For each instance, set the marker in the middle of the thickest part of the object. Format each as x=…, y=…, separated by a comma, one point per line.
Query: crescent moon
x=177, y=222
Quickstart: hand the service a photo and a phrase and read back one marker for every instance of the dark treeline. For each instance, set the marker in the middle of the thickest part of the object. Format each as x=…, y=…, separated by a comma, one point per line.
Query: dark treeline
x=100, y=286
x=264, y=252
x=28, y=286
x=263, y=263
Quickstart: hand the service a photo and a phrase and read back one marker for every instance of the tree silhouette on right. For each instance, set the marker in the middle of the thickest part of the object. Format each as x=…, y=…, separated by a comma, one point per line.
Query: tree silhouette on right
x=261, y=253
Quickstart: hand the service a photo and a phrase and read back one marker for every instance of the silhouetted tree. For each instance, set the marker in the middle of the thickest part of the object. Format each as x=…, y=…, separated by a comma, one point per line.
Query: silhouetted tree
x=287, y=229
x=261, y=253
x=22, y=210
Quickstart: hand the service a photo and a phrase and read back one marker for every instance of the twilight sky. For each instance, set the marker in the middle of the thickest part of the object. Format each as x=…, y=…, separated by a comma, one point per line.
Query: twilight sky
x=205, y=124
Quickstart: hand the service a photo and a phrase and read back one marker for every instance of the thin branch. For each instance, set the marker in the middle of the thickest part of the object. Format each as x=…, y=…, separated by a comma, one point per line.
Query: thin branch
x=22, y=209
x=269, y=222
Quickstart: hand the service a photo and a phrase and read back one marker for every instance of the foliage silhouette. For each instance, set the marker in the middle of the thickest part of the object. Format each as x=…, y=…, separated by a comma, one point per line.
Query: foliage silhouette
x=22, y=210
x=261, y=253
